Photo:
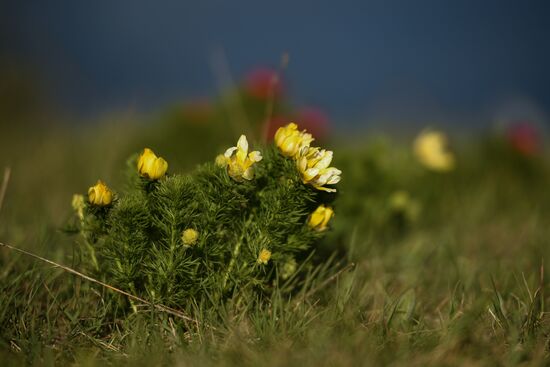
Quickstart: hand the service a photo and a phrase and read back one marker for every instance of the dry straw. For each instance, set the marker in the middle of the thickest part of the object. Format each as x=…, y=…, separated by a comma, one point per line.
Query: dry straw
x=161, y=308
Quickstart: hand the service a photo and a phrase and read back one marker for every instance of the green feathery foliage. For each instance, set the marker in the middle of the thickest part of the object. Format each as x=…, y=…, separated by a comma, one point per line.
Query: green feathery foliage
x=201, y=238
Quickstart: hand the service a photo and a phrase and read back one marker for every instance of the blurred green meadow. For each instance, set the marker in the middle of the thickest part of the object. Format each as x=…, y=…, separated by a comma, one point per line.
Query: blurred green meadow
x=419, y=266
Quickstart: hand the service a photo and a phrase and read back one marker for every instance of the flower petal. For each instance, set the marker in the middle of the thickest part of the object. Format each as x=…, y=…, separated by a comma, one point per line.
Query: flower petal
x=324, y=162
x=333, y=180
x=229, y=152
x=248, y=174
x=310, y=173
x=242, y=144
x=255, y=156
x=327, y=189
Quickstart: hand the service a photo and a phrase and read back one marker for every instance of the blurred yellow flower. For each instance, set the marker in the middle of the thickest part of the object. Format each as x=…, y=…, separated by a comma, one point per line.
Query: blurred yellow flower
x=189, y=237
x=240, y=162
x=290, y=140
x=401, y=202
x=430, y=147
x=264, y=256
x=100, y=194
x=78, y=205
x=313, y=164
x=320, y=218
x=289, y=268
x=151, y=166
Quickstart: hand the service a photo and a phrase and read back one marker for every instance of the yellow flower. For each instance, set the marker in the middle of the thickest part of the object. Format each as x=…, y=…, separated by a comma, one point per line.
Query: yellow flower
x=240, y=162
x=313, y=165
x=264, y=256
x=78, y=205
x=320, y=217
x=151, y=166
x=430, y=147
x=290, y=140
x=100, y=194
x=189, y=237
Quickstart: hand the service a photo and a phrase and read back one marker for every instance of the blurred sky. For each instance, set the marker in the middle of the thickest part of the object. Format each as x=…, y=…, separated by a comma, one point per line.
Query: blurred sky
x=357, y=59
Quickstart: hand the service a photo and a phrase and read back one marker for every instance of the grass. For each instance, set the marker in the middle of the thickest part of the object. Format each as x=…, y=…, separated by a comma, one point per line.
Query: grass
x=465, y=281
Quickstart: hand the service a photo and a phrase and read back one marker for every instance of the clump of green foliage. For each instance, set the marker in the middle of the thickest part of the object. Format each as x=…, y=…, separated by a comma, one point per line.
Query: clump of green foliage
x=196, y=240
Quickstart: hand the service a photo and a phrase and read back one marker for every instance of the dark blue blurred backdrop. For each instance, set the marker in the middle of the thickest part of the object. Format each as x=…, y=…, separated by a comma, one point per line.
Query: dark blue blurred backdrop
x=360, y=60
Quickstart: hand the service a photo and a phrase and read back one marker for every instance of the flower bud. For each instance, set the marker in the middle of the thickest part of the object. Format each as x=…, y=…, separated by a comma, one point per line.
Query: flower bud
x=78, y=205
x=264, y=256
x=151, y=166
x=290, y=140
x=100, y=194
x=320, y=218
x=221, y=161
x=289, y=268
x=189, y=237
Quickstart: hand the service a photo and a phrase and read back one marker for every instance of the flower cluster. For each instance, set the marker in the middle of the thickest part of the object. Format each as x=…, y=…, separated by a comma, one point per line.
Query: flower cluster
x=222, y=230
x=312, y=162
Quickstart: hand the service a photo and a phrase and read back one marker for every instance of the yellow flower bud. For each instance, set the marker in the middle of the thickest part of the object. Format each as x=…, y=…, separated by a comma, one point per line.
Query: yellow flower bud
x=290, y=140
x=320, y=218
x=189, y=237
x=264, y=256
x=78, y=205
x=221, y=161
x=430, y=147
x=100, y=194
x=151, y=166
x=289, y=268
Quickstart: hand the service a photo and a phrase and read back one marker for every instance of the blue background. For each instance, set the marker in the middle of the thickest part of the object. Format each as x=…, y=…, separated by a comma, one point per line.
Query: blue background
x=359, y=60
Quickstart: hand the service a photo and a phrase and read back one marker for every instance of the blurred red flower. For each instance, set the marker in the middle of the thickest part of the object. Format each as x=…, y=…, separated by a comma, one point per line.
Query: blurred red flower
x=262, y=83
x=314, y=120
x=524, y=138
